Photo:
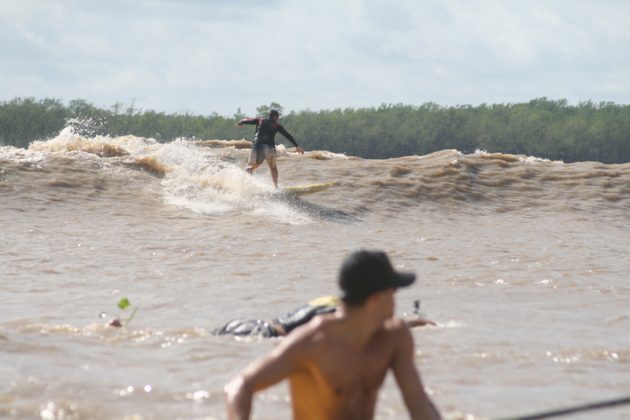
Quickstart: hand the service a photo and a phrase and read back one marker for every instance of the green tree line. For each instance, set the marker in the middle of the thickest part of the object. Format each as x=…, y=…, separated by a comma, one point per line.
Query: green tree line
x=542, y=127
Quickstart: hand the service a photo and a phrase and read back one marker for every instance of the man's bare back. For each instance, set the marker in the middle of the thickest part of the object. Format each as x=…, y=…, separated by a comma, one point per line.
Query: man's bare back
x=338, y=381
x=336, y=363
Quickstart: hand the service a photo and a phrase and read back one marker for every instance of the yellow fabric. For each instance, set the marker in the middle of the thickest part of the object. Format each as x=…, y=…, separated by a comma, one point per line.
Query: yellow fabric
x=325, y=301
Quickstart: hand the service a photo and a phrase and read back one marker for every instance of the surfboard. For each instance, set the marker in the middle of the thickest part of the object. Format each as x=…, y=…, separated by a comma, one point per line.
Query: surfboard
x=308, y=188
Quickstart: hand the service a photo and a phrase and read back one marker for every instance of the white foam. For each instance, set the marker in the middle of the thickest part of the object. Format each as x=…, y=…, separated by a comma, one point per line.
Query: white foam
x=68, y=141
x=17, y=154
x=201, y=181
x=521, y=158
x=281, y=211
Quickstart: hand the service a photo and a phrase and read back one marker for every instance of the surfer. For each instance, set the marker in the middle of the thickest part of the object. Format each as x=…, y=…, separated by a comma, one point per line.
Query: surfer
x=264, y=145
x=283, y=325
x=336, y=363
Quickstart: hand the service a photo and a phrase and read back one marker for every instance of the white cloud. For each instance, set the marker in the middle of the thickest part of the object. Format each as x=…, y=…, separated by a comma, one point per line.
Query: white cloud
x=205, y=56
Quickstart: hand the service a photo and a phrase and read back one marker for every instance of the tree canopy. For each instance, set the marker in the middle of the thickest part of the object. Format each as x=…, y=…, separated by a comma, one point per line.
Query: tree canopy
x=542, y=127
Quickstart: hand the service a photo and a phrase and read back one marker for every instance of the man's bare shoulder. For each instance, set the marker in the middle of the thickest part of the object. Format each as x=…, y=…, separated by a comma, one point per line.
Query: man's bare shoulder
x=329, y=329
x=313, y=332
x=322, y=324
x=396, y=331
x=395, y=325
x=327, y=323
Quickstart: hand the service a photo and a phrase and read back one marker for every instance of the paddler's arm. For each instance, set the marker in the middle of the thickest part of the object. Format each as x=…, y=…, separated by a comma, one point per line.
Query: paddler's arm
x=419, y=322
x=289, y=137
x=408, y=379
x=262, y=373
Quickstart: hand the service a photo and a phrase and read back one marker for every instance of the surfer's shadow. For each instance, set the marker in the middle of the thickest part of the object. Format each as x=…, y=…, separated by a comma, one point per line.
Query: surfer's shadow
x=317, y=211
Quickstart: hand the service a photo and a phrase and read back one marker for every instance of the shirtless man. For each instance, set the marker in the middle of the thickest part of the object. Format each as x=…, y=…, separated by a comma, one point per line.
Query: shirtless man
x=336, y=363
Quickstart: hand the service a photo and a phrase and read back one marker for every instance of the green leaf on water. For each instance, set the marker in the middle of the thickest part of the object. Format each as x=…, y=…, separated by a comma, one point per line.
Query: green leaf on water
x=123, y=303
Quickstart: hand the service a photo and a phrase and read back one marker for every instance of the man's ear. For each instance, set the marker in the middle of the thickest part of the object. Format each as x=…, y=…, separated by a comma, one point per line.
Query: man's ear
x=374, y=299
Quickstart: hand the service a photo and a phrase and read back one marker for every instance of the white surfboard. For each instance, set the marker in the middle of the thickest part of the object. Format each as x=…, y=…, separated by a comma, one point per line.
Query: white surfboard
x=308, y=188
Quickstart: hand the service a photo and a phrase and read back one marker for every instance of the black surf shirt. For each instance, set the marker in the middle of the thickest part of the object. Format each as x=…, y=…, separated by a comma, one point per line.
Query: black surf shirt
x=266, y=131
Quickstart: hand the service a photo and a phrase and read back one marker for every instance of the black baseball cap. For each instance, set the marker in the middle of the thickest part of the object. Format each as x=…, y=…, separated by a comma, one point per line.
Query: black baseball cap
x=366, y=272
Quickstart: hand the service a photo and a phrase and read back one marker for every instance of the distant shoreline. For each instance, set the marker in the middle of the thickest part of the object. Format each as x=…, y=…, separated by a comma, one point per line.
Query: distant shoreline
x=550, y=129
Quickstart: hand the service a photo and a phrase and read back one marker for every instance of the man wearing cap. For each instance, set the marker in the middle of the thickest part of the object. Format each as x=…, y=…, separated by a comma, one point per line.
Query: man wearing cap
x=264, y=144
x=336, y=363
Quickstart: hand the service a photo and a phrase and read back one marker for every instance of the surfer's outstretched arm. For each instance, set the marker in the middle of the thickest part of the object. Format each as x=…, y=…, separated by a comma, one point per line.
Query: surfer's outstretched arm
x=248, y=121
x=289, y=137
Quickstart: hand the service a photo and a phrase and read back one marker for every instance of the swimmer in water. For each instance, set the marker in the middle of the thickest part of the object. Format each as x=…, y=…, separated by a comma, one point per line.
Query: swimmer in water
x=283, y=325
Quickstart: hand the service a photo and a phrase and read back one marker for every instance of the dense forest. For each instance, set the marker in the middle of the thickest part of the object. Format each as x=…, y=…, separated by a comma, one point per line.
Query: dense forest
x=545, y=128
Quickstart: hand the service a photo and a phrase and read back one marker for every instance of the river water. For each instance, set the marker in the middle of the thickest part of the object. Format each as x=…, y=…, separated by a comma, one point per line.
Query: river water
x=523, y=263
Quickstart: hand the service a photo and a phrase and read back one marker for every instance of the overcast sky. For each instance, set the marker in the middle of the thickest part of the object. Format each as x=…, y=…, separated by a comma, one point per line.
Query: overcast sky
x=217, y=56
